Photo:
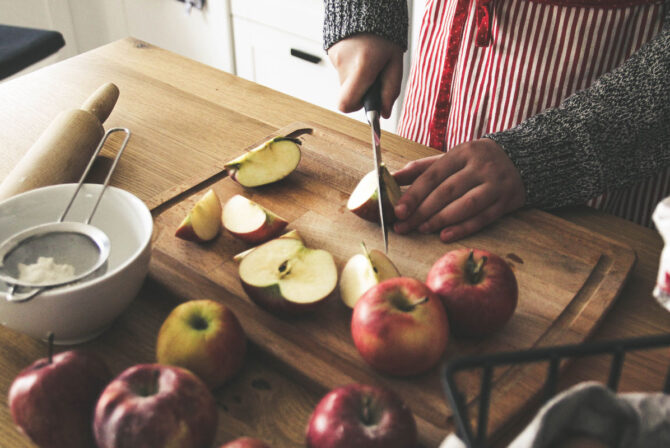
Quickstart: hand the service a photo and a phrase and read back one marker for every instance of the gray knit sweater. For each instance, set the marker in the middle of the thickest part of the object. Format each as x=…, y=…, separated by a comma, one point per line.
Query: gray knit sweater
x=606, y=137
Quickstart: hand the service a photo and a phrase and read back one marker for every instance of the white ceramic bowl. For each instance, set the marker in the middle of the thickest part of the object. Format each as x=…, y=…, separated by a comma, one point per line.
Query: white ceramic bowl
x=81, y=311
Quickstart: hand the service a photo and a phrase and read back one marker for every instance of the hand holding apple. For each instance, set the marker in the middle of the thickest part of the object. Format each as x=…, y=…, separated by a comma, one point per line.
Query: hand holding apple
x=52, y=400
x=363, y=200
x=155, y=406
x=478, y=288
x=361, y=416
x=400, y=327
x=205, y=337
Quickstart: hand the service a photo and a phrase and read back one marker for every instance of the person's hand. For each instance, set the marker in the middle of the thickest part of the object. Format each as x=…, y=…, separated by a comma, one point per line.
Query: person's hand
x=459, y=192
x=358, y=60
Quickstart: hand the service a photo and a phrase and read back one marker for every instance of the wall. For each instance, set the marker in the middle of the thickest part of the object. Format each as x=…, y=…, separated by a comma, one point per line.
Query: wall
x=204, y=35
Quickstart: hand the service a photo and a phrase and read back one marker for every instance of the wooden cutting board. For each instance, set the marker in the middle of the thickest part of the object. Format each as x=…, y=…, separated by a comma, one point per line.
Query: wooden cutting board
x=568, y=278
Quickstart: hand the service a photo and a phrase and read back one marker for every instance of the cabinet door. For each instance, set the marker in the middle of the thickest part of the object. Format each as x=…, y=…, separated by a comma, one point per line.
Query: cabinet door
x=290, y=64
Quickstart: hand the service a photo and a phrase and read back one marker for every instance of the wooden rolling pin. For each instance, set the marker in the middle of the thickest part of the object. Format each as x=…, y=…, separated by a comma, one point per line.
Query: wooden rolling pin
x=62, y=151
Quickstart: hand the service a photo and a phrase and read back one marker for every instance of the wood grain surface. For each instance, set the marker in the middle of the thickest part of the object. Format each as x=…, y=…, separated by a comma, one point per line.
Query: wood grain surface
x=177, y=107
x=568, y=277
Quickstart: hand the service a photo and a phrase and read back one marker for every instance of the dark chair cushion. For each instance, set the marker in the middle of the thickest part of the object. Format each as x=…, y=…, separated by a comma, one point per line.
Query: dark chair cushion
x=21, y=47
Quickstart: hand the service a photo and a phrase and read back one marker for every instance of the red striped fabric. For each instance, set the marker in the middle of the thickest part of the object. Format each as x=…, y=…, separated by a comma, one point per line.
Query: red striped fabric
x=539, y=53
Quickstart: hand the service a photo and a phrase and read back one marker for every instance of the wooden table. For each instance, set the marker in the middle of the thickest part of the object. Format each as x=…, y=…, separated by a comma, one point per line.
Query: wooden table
x=177, y=106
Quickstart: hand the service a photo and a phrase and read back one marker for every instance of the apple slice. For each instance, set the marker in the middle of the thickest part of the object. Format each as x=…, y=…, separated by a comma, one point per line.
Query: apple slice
x=267, y=163
x=362, y=272
x=363, y=200
x=251, y=222
x=290, y=234
x=286, y=277
x=203, y=222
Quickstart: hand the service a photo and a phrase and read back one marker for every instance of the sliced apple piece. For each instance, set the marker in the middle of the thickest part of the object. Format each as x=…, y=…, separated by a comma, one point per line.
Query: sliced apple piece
x=267, y=163
x=251, y=222
x=284, y=276
x=363, y=200
x=290, y=234
x=362, y=272
x=203, y=221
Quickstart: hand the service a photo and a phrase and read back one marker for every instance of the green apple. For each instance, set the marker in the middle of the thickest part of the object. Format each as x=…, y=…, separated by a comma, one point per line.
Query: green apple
x=251, y=222
x=203, y=221
x=205, y=337
x=363, y=271
x=290, y=234
x=271, y=161
x=363, y=200
x=286, y=277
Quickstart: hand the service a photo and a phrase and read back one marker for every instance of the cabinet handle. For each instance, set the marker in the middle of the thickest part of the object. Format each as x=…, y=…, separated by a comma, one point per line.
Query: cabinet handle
x=305, y=56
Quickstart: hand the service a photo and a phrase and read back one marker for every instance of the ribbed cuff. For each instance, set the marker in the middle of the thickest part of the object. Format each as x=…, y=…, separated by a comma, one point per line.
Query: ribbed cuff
x=553, y=171
x=384, y=18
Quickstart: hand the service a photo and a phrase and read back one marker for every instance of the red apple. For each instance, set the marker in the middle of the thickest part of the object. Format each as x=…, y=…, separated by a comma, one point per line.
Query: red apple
x=251, y=222
x=400, y=327
x=361, y=416
x=245, y=442
x=363, y=200
x=155, y=406
x=286, y=277
x=203, y=221
x=52, y=400
x=205, y=337
x=478, y=289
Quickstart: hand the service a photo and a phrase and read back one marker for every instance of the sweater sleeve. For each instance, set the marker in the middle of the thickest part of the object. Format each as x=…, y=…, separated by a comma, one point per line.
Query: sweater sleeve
x=385, y=18
x=606, y=137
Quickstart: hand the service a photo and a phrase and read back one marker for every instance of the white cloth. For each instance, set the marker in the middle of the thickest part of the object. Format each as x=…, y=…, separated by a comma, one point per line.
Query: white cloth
x=631, y=420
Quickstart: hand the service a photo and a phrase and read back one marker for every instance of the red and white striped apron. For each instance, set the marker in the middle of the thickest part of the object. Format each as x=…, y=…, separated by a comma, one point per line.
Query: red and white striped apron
x=483, y=66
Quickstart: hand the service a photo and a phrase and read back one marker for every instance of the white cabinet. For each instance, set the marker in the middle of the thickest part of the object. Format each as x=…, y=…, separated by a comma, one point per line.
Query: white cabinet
x=279, y=44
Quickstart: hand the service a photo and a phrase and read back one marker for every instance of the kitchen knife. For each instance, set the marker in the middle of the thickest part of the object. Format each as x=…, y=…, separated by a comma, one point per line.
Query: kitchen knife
x=373, y=103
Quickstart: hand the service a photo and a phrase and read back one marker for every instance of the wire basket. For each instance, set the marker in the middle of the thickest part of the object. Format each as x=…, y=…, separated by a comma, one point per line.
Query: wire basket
x=552, y=356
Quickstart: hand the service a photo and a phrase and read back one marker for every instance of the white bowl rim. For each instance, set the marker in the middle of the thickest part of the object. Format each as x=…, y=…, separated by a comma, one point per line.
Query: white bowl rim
x=142, y=208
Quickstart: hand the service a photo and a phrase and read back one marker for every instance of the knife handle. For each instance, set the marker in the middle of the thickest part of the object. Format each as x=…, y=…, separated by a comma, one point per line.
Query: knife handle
x=372, y=100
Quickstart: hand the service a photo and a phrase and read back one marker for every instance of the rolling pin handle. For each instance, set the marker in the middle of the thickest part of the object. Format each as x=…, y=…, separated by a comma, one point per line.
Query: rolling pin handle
x=102, y=101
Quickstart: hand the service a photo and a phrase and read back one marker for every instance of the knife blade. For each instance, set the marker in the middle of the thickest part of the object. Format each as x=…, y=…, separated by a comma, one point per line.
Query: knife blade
x=372, y=103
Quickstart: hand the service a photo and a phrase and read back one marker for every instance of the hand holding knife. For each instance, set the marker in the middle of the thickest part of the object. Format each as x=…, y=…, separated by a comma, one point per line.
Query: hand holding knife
x=373, y=103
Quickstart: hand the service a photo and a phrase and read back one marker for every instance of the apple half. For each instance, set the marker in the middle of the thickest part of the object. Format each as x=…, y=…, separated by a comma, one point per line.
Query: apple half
x=362, y=272
x=290, y=234
x=270, y=162
x=363, y=200
x=251, y=222
x=284, y=276
x=203, y=221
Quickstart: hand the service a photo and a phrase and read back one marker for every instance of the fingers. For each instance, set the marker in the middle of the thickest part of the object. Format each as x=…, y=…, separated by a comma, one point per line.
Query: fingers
x=359, y=59
x=413, y=169
x=439, y=200
x=477, y=202
x=473, y=224
x=427, y=181
x=391, y=81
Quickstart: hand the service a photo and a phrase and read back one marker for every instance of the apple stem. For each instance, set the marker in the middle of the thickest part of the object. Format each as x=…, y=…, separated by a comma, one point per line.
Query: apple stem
x=50, y=342
x=475, y=269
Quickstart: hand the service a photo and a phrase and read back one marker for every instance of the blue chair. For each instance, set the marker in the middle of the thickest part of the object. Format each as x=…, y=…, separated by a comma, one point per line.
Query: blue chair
x=21, y=47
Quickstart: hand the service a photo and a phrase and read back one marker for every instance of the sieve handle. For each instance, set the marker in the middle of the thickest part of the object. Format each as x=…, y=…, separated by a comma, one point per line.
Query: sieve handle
x=88, y=168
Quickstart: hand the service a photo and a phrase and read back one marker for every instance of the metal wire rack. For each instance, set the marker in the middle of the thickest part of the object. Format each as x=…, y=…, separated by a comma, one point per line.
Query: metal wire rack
x=553, y=356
